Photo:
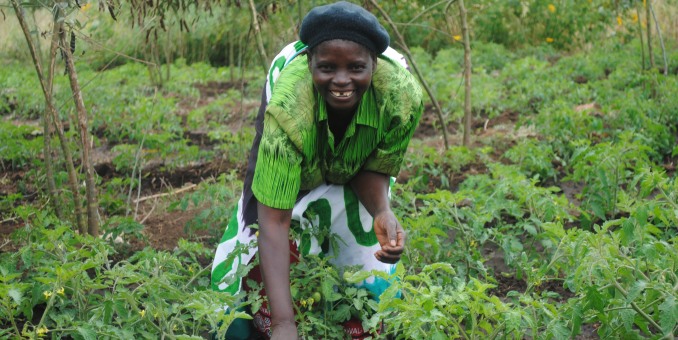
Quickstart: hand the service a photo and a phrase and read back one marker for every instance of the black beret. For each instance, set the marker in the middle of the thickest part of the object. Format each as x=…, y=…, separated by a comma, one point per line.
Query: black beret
x=343, y=20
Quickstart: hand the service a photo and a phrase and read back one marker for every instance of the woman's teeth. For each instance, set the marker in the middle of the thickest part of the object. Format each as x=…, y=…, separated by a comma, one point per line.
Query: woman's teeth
x=341, y=94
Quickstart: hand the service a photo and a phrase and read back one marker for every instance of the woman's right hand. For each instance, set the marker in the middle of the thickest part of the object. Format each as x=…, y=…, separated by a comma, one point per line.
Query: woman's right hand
x=284, y=331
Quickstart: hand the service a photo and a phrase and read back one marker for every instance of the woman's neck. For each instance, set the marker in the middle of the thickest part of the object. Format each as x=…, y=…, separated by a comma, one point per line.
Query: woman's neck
x=338, y=123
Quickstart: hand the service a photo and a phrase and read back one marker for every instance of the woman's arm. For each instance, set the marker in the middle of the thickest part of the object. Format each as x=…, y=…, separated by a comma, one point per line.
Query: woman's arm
x=274, y=255
x=372, y=191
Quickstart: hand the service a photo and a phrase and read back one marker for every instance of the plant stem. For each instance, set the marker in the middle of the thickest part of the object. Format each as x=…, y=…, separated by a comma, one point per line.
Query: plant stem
x=198, y=274
x=635, y=306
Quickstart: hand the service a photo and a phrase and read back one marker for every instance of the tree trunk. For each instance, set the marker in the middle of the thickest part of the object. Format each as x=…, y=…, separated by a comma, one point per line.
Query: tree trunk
x=642, y=43
x=257, y=35
x=407, y=52
x=90, y=183
x=51, y=108
x=648, y=28
x=467, y=75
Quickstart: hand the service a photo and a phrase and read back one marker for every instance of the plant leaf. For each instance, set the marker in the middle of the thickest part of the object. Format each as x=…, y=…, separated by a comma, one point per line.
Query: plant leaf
x=669, y=314
x=87, y=332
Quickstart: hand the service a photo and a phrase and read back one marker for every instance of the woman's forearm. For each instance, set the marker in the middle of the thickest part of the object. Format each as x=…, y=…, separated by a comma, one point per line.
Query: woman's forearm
x=274, y=256
x=372, y=191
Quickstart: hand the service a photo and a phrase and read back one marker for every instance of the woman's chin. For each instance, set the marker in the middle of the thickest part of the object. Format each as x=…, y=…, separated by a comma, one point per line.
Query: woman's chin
x=341, y=105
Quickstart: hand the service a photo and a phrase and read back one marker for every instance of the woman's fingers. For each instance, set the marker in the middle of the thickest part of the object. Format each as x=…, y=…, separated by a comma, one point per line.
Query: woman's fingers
x=391, y=238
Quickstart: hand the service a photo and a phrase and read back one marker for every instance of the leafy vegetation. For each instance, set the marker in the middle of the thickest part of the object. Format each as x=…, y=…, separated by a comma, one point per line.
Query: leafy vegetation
x=561, y=220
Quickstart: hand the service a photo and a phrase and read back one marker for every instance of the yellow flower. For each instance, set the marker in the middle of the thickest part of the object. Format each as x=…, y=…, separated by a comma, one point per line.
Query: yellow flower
x=457, y=37
x=41, y=331
x=256, y=234
x=552, y=8
x=142, y=313
x=549, y=40
x=619, y=21
x=473, y=244
x=47, y=294
x=86, y=6
x=303, y=303
x=634, y=17
x=60, y=291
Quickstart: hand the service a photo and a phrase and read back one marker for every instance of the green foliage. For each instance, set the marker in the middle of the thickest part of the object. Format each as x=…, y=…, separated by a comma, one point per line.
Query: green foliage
x=19, y=145
x=560, y=23
x=606, y=168
x=325, y=297
x=626, y=278
x=534, y=158
x=62, y=284
x=216, y=201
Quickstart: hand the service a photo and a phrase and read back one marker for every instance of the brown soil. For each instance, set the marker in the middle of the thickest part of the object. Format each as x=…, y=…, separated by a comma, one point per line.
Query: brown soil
x=162, y=228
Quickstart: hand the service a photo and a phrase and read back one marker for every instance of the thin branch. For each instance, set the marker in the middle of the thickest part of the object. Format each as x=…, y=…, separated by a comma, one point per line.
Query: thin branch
x=428, y=27
x=171, y=193
x=661, y=40
x=407, y=52
x=648, y=26
x=118, y=54
x=257, y=34
x=426, y=10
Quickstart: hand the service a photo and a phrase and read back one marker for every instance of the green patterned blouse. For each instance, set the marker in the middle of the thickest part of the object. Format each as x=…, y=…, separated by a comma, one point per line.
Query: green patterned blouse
x=297, y=150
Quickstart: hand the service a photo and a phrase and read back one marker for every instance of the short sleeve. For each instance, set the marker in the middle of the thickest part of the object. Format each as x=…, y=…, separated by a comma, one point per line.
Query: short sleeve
x=389, y=154
x=399, y=101
x=277, y=174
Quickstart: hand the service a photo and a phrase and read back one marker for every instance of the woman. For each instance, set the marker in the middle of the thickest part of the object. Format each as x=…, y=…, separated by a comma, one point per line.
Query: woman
x=337, y=114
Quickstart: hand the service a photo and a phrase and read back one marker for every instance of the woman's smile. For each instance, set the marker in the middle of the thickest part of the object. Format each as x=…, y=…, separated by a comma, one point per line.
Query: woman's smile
x=342, y=94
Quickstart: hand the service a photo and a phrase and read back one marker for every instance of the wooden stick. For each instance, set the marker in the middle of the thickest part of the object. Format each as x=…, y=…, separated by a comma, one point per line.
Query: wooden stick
x=164, y=194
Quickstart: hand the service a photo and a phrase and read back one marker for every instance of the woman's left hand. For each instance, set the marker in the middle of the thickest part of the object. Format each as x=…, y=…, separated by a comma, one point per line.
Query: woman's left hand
x=391, y=237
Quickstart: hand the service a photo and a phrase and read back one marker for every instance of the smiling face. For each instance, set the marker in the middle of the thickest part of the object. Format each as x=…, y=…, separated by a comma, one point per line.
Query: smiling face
x=342, y=72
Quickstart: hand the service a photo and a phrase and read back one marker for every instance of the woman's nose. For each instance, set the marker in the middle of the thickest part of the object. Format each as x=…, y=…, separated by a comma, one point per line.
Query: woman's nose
x=341, y=78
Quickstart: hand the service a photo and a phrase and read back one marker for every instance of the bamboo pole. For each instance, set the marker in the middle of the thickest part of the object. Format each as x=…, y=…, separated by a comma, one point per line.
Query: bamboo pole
x=407, y=52
x=90, y=183
x=51, y=108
